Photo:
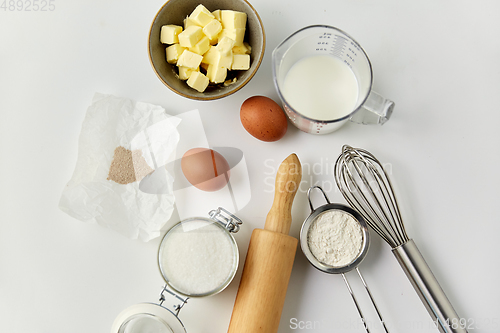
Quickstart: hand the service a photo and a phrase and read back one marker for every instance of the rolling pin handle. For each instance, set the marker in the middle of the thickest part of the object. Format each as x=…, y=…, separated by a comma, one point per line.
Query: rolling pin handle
x=287, y=183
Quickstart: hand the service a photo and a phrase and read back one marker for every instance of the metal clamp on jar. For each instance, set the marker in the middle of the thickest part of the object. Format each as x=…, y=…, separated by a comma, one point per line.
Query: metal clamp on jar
x=197, y=257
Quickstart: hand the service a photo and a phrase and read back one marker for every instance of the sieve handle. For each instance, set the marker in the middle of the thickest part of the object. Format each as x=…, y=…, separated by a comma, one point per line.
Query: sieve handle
x=428, y=289
x=309, y=196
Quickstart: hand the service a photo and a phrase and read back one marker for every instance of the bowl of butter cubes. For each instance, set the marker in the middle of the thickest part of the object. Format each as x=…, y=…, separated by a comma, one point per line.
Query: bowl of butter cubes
x=206, y=51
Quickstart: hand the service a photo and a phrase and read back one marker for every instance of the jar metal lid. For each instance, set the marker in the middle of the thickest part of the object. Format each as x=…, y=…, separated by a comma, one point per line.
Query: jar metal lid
x=147, y=317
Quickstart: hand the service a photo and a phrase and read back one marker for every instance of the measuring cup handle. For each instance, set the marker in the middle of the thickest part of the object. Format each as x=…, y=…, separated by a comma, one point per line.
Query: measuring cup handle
x=375, y=110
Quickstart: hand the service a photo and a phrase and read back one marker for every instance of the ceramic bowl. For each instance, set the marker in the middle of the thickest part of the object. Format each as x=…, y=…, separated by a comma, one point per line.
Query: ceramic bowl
x=174, y=12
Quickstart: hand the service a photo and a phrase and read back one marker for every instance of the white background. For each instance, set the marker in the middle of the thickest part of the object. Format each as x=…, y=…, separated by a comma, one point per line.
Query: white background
x=438, y=60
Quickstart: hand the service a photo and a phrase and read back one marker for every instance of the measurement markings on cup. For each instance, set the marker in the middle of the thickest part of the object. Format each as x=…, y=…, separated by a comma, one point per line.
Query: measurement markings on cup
x=338, y=46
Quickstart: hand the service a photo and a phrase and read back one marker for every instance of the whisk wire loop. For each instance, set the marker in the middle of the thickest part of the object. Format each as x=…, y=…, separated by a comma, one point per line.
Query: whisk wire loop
x=366, y=186
x=348, y=176
x=374, y=188
x=369, y=213
x=386, y=203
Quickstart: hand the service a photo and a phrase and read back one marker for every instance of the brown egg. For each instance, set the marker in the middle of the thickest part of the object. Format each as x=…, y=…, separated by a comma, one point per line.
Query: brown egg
x=205, y=169
x=263, y=118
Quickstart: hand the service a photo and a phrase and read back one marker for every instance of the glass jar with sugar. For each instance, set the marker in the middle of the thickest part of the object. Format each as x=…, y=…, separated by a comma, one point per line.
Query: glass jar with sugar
x=197, y=257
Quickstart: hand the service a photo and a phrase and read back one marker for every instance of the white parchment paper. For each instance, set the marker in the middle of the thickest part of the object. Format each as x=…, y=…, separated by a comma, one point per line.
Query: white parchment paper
x=139, y=209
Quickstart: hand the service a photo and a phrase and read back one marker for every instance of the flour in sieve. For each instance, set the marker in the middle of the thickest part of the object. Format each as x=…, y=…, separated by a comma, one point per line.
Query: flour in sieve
x=335, y=238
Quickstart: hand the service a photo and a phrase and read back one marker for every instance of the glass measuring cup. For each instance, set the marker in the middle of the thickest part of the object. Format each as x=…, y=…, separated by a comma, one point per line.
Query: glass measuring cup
x=322, y=40
x=353, y=264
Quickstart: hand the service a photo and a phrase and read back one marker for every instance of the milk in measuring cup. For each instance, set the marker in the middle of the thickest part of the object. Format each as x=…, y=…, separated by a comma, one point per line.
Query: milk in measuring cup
x=321, y=88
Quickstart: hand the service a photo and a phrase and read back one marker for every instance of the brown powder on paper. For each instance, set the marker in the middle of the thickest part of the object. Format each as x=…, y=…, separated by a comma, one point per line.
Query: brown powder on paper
x=128, y=166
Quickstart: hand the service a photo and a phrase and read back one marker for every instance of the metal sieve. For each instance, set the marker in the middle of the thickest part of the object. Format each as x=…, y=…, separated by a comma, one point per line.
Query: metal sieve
x=353, y=265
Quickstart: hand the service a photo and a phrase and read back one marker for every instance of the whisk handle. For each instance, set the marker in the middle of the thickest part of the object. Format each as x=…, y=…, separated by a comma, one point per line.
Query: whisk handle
x=428, y=289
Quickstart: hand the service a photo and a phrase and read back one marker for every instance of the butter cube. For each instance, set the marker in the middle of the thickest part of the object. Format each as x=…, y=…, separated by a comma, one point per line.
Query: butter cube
x=211, y=56
x=198, y=81
x=189, y=22
x=216, y=74
x=189, y=59
x=216, y=13
x=235, y=34
x=185, y=72
x=201, y=16
x=174, y=52
x=223, y=59
x=201, y=47
x=190, y=36
x=168, y=34
x=212, y=29
x=242, y=49
x=241, y=62
x=225, y=45
x=231, y=19
x=215, y=57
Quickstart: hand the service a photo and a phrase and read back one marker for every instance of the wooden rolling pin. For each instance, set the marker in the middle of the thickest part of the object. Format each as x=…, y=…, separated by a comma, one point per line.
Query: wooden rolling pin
x=271, y=252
